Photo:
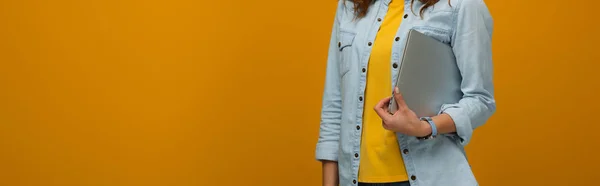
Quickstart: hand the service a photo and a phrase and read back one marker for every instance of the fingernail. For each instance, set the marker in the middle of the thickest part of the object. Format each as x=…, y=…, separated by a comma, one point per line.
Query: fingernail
x=396, y=90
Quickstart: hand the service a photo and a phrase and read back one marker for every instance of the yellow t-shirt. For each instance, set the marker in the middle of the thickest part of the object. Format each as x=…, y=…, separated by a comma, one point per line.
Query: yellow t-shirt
x=381, y=160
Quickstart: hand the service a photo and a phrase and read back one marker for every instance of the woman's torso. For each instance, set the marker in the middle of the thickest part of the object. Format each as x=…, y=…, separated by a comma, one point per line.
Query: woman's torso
x=439, y=161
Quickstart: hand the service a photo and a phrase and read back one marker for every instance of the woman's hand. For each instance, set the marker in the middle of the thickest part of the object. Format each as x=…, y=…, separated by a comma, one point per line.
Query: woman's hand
x=404, y=120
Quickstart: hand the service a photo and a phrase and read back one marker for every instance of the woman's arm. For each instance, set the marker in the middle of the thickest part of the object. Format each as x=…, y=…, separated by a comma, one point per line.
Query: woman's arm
x=330, y=173
x=331, y=112
x=331, y=109
x=443, y=123
x=472, y=47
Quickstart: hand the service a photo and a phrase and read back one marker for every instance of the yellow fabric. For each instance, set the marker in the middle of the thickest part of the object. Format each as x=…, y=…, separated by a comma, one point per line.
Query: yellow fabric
x=381, y=160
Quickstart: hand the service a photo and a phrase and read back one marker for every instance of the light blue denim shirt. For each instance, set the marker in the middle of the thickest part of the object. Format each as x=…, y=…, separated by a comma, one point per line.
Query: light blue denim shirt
x=465, y=25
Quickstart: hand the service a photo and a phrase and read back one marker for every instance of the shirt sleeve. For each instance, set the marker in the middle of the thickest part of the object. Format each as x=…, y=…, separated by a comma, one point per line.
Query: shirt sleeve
x=472, y=47
x=331, y=110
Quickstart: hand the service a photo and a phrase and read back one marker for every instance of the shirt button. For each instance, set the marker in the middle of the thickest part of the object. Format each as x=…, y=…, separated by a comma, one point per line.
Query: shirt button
x=405, y=151
x=354, y=181
x=395, y=65
x=413, y=177
x=397, y=39
x=360, y=98
x=357, y=127
x=370, y=43
x=364, y=70
x=339, y=44
x=379, y=19
x=405, y=16
x=356, y=155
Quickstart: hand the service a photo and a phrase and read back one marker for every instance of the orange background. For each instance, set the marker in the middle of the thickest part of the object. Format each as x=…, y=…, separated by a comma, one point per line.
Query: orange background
x=185, y=92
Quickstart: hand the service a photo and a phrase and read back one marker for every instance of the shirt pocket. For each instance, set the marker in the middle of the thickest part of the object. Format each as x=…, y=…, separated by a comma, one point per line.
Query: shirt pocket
x=346, y=40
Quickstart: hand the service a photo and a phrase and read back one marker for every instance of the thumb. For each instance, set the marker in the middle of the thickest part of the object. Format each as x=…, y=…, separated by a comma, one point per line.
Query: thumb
x=399, y=99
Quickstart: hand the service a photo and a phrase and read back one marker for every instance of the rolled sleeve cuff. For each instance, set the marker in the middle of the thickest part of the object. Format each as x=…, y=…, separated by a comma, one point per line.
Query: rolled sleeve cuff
x=327, y=151
x=464, y=129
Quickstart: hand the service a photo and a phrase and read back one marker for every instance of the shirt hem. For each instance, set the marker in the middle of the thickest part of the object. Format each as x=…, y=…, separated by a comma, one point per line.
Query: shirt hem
x=387, y=179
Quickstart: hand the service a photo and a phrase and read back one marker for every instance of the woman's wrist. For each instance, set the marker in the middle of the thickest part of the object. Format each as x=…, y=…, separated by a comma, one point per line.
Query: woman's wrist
x=424, y=129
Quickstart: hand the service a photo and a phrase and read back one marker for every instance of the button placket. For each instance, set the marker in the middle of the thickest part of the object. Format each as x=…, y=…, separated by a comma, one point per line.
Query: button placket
x=361, y=93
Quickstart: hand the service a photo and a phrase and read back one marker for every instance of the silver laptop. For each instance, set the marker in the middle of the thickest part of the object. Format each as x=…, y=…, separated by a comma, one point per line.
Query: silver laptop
x=428, y=77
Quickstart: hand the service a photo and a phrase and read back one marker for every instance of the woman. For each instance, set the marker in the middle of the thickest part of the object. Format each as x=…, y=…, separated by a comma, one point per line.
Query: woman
x=360, y=143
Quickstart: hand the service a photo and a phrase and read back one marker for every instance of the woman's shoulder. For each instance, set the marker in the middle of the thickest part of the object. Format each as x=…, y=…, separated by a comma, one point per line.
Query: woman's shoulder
x=345, y=8
x=468, y=5
x=345, y=4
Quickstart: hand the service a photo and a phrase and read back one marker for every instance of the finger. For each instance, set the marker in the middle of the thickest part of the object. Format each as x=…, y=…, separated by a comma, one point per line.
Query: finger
x=386, y=104
x=386, y=107
x=399, y=99
x=381, y=108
